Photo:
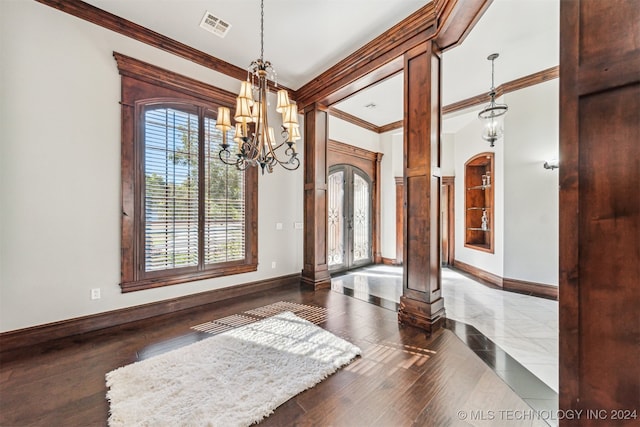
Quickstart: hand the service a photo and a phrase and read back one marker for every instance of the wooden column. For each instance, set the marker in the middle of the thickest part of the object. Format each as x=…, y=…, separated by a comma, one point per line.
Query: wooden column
x=599, y=285
x=422, y=304
x=315, y=273
x=399, y=219
x=377, y=254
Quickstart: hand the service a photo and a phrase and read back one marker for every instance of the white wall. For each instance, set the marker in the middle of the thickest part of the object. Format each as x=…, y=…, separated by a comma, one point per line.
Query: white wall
x=448, y=161
x=526, y=194
x=60, y=172
x=348, y=133
x=468, y=143
x=391, y=167
x=531, y=192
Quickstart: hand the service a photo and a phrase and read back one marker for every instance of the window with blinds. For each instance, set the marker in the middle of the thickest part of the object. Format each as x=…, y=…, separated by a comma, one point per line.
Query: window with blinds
x=185, y=215
x=194, y=205
x=224, y=201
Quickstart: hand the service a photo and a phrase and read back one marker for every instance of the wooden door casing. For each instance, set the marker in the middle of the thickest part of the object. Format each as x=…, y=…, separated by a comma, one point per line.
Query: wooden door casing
x=368, y=162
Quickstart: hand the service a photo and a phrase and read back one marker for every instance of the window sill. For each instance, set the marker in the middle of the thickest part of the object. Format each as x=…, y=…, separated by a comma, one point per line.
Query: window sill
x=158, y=282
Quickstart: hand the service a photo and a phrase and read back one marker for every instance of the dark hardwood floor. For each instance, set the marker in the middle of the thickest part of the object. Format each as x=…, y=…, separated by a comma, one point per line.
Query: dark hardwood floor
x=404, y=378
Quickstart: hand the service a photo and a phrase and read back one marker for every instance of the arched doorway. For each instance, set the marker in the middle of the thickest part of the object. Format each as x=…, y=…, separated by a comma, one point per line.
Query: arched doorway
x=349, y=222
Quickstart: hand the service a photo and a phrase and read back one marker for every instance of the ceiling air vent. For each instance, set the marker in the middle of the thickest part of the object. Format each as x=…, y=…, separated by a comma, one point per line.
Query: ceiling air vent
x=216, y=25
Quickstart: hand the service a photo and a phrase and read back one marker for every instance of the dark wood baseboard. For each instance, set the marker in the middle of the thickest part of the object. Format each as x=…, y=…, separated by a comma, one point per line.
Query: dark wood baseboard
x=12, y=340
x=512, y=285
x=389, y=261
x=480, y=275
x=530, y=288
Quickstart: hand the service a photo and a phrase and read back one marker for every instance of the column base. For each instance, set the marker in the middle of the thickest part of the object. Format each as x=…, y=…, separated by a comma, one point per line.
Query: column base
x=318, y=280
x=421, y=314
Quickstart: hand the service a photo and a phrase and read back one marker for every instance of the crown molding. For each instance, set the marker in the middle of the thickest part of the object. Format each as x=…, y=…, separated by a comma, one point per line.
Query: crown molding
x=385, y=49
x=334, y=112
x=391, y=126
x=512, y=86
x=112, y=22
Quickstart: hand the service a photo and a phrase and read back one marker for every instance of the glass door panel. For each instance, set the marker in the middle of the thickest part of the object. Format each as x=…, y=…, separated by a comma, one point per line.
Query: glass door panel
x=361, y=220
x=336, y=217
x=349, y=218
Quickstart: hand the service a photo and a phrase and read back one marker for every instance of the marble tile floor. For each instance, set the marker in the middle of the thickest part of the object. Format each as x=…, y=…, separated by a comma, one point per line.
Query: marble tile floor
x=525, y=327
x=505, y=329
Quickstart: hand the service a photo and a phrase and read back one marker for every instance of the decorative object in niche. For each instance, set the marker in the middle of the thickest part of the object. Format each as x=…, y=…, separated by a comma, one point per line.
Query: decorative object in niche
x=479, y=202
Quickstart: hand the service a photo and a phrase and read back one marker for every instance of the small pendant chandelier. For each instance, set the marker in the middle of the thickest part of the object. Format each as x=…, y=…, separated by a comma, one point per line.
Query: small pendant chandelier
x=255, y=138
x=492, y=114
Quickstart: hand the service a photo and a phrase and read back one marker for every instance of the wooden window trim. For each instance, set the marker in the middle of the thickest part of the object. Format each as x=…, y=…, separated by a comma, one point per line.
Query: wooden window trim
x=143, y=84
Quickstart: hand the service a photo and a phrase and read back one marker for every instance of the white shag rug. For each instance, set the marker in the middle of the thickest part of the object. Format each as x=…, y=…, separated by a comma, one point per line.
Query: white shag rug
x=233, y=379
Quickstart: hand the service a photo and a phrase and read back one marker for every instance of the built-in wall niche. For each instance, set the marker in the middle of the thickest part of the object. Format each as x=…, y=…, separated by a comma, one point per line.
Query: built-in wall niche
x=479, y=203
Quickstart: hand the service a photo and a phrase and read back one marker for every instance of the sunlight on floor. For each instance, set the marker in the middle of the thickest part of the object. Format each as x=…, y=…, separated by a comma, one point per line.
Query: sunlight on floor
x=525, y=327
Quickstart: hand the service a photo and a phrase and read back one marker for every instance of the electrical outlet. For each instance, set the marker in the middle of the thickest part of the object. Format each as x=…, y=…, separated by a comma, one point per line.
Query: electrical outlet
x=273, y=264
x=297, y=225
x=278, y=226
x=95, y=293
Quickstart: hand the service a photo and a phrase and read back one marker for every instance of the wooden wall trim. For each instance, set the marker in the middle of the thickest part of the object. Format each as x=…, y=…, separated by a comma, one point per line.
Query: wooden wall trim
x=540, y=290
x=391, y=126
x=386, y=48
x=530, y=288
x=142, y=34
x=531, y=80
x=479, y=274
x=351, y=151
x=448, y=21
x=140, y=70
x=399, y=188
x=450, y=182
x=38, y=334
x=363, y=123
x=353, y=120
x=511, y=86
x=377, y=206
x=456, y=19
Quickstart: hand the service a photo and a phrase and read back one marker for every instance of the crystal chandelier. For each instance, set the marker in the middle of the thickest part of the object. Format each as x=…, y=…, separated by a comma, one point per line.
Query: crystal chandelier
x=492, y=114
x=256, y=140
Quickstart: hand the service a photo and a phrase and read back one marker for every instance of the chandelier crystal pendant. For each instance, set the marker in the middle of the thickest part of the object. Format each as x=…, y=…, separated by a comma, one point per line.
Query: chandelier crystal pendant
x=492, y=114
x=256, y=140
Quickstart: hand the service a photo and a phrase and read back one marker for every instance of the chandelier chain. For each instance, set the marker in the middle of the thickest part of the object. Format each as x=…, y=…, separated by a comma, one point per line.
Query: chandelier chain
x=493, y=87
x=262, y=30
x=255, y=139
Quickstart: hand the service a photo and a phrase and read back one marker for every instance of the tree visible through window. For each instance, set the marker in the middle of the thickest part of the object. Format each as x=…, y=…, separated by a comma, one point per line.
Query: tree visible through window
x=186, y=215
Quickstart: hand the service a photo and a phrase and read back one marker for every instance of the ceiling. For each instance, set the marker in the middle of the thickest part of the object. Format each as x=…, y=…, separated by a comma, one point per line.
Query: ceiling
x=303, y=38
x=524, y=32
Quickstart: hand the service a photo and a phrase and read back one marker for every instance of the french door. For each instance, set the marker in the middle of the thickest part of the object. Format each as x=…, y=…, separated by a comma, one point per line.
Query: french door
x=349, y=220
